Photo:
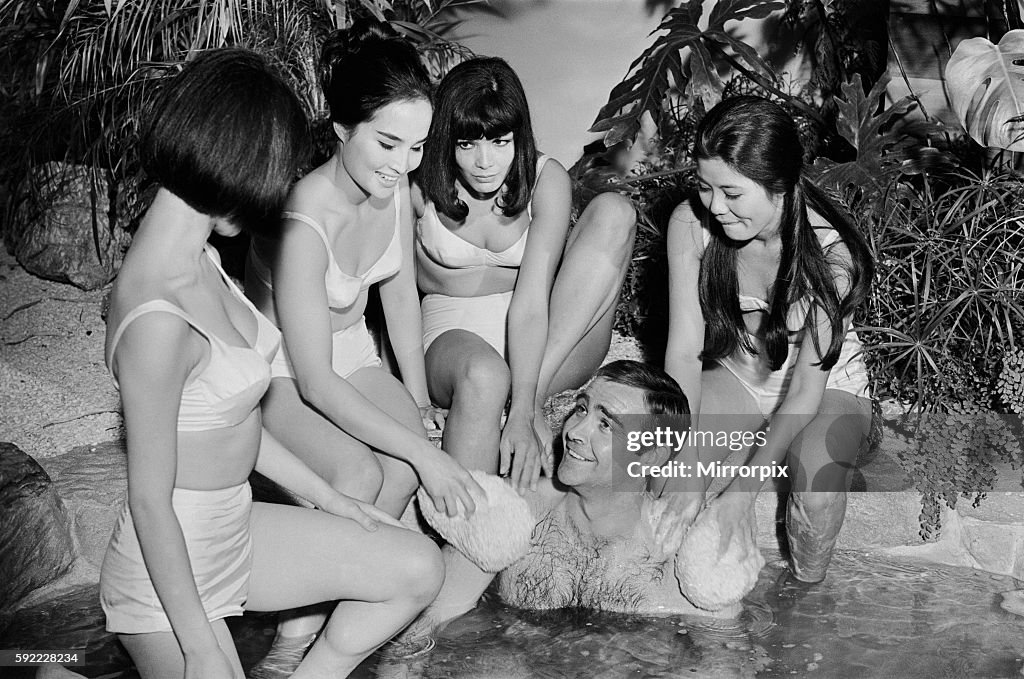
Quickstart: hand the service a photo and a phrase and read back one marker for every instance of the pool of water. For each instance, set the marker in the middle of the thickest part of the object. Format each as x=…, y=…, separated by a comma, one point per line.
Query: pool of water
x=871, y=617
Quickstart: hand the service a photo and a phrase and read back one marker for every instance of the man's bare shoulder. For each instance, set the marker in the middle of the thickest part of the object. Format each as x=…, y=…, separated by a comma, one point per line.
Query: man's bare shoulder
x=548, y=495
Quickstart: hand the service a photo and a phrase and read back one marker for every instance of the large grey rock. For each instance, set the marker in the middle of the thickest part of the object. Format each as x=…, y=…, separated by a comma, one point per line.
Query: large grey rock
x=36, y=546
x=63, y=232
x=92, y=481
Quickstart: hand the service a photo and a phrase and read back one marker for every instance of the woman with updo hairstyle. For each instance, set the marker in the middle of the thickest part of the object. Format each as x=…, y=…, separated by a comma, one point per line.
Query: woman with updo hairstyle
x=348, y=225
x=191, y=357
x=765, y=274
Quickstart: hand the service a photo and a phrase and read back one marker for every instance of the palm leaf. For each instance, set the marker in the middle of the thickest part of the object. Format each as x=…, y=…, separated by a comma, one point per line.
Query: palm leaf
x=986, y=87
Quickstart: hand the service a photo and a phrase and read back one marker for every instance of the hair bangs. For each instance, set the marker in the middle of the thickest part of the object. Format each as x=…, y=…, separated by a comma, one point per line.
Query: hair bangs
x=486, y=117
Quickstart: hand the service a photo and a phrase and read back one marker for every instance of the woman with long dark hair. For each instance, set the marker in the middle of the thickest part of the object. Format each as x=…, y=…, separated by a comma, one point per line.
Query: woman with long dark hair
x=516, y=306
x=765, y=276
x=192, y=356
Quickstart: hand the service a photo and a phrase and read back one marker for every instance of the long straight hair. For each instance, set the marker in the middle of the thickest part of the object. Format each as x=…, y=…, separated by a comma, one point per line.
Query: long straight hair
x=481, y=98
x=758, y=139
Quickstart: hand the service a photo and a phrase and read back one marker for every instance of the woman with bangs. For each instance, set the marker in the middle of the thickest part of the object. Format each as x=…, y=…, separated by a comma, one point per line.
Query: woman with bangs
x=516, y=307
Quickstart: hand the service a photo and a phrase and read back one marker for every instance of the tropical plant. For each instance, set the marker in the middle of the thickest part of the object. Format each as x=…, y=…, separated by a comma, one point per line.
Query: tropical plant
x=81, y=73
x=661, y=81
x=986, y=90
x=944, y=319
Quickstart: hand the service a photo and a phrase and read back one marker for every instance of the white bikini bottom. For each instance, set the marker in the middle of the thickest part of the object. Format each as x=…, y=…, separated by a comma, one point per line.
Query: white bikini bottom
x=352, y=349
x=215, y=524
x=768, y=387
x=486, y=316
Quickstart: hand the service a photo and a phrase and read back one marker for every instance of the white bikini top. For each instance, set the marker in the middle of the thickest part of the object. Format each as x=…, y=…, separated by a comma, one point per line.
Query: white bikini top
x=343, y=289
x=797, y=316
x=228, y=385
x=452, y=251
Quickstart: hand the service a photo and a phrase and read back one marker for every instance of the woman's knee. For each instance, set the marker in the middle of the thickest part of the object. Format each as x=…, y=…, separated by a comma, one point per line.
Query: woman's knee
x=399, y=475
x=360, y=475
x=422, y=571
x=824, y=454
x=483, y=381
x=818, y=503
x=611, y=218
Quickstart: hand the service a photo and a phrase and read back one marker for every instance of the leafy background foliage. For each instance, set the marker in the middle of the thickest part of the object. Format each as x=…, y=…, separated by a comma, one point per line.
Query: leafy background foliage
x=77, y=76
x=943, y=324
x=986, y=86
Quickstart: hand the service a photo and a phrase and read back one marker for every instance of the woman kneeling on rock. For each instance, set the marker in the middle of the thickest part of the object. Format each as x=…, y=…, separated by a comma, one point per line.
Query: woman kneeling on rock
x=192, y=359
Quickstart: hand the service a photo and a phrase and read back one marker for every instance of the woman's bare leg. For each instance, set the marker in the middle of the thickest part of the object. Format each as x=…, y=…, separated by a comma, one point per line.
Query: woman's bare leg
x=466, y=375
x=585, y=292
x=821, y=459
x=348, y=464
x=387, y=393
x=157, y=655
x=383, y=578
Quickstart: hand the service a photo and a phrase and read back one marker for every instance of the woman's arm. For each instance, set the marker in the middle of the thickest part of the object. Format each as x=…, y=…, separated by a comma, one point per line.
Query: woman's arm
x=279, y=465
x=685, y=243
x=401, y=305
x=301, y=300
x=528, y=321
x=152, y=362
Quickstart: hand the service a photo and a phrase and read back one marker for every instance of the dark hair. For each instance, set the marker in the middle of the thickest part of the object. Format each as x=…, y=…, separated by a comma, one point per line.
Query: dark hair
x=758, y=139
x=368, y=66
x=227, y=135
x=479, y=98
x=662, y=394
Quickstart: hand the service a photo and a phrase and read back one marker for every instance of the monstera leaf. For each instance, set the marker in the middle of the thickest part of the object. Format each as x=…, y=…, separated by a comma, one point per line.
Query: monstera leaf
x=662, y=69
x=986, y=85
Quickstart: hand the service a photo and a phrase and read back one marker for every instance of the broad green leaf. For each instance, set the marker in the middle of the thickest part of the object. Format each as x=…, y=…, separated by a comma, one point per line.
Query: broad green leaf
x=705, y=82
x=986, y=86
x=660, y=67
x=858, y=124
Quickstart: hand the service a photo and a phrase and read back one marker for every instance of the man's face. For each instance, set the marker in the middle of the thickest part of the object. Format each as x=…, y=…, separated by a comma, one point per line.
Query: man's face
x=589, y=432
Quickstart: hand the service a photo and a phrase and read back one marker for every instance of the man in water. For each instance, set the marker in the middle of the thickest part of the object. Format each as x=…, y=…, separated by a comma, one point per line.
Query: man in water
x=592, y=544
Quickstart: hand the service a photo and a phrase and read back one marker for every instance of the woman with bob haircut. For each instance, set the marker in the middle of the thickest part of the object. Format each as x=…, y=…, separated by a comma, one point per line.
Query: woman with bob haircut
x=348, y=225
x=192, y=359
x=512, y=307
x=765, y=274
x=516, y=307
